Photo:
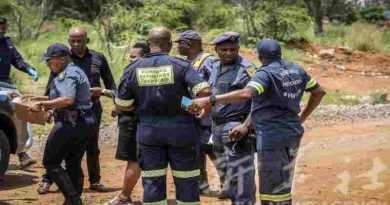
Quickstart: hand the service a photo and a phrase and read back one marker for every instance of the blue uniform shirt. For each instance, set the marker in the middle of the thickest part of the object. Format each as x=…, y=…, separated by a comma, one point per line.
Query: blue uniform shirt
x=278, y=89
x=156, y=83
x=228, y=78
x=72, y=82
x=10, y=56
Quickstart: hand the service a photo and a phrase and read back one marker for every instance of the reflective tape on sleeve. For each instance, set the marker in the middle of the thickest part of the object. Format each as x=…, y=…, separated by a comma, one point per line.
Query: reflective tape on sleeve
x=200, y=87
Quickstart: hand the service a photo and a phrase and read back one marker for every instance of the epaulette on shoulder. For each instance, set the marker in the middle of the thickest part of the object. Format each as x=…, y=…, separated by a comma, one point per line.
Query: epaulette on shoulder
x=180, y=61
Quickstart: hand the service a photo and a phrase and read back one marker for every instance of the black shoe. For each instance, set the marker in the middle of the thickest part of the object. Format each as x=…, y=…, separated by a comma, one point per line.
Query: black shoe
x=222, y=194
x=99, y=187
x=73, y=201
x=208, y=192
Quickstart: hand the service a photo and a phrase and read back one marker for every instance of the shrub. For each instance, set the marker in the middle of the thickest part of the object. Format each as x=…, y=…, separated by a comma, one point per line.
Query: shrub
x=364, y=37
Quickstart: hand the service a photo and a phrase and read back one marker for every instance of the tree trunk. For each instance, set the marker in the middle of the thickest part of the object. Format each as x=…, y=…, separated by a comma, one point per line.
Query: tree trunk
x=318, y=16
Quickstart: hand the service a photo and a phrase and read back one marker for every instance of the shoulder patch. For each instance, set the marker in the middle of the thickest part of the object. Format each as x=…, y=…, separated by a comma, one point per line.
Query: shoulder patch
x=251, y=70
x=61, y=76
x=180, y=61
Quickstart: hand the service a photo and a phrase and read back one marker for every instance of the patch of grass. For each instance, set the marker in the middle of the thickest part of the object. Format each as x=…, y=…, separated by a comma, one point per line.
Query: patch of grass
x=336, y=98
x=292, y=55
x=364, y=37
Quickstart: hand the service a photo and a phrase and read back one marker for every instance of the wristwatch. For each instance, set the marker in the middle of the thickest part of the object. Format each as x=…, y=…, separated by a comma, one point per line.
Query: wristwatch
x=213, y=100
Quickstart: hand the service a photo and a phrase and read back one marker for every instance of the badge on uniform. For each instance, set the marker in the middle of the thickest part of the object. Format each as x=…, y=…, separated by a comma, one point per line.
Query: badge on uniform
x=61, y=76
x=251, y=71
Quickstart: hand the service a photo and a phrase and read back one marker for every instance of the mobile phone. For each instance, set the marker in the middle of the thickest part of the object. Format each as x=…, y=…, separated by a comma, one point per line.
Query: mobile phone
x=185, y=101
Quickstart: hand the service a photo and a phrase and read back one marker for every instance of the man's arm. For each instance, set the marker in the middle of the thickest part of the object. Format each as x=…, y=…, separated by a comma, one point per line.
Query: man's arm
x=106, y=75
x=315, y=99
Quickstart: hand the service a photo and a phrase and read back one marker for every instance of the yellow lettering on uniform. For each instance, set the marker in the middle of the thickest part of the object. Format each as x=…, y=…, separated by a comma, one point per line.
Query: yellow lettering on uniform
x=155, y=76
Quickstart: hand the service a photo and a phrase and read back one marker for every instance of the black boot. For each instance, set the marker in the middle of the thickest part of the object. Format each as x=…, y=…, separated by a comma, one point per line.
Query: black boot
x=61, y=178
x=73, y=201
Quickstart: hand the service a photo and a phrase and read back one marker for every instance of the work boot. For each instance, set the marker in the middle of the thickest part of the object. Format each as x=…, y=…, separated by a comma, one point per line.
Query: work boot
x=98, y=187
x=120, y=200
x=72, y=201
x=222, y=194
x=25, y=160
x=208, y=192
x=44, y=188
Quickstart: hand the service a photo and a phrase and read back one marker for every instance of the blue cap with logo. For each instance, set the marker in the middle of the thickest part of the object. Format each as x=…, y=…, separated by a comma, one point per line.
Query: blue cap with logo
x=55, y=50
x=227, y=36
x=189, y=35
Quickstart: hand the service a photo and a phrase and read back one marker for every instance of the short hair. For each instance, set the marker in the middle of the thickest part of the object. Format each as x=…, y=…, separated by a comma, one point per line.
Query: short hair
x=3, y=20
x=145, y=49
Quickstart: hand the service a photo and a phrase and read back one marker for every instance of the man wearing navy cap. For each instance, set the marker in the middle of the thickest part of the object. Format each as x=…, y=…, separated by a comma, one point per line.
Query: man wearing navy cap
x=276, y=90
x=190, y=45
x=10, y=56
x=235, y=157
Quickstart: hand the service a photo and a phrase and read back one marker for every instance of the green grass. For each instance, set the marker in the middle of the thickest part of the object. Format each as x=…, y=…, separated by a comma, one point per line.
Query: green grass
x=336, y=98
x=358, y=36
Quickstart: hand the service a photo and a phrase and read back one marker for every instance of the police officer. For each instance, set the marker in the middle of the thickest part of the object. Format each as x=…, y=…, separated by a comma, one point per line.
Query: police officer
x=276, y=89
x=10, y=56
x=95, y=66
x=235, y=158
x=127, y=144
x=70, y=100
x=190, y=45
x=154, y=85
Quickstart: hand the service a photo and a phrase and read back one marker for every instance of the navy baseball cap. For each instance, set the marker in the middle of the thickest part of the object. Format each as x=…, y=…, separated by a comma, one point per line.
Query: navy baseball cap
x=55, y=50
x=227, y=36
x=269, y=48
x=189, y=35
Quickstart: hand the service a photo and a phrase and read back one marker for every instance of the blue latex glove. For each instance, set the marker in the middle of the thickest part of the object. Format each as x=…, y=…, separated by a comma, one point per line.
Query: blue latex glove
x=33, y=73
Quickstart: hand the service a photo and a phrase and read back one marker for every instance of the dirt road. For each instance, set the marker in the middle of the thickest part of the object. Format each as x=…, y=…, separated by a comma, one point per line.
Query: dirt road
x=337, y=164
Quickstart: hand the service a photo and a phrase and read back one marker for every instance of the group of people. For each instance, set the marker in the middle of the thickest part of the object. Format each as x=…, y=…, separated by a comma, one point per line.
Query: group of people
x=234, y=105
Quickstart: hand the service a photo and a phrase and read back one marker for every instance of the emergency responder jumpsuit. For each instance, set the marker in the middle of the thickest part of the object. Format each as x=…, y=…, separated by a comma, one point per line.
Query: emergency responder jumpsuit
x=71, y=132
x=278, y=88
x=235, y=159
x=166, y=133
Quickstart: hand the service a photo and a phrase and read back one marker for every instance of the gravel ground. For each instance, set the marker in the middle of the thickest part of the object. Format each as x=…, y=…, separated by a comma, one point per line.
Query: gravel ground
x=334, y=114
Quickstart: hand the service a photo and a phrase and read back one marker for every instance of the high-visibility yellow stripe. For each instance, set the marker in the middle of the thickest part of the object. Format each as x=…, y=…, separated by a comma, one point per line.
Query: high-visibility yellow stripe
x=121, y=102
x=199, y=62
x=154, y=173
x=186, y=174
x=257, y=86
x=199, y=87
x=310, y=84
x=187, y=203
x=275, y=197
x=163, y=202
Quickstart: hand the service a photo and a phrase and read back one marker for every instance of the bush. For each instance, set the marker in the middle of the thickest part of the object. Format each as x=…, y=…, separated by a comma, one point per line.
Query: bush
x=364, y=37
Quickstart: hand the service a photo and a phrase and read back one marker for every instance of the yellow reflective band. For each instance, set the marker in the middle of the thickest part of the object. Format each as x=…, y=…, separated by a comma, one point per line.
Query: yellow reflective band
x=186, y=174
x=199, y=62
x=154, y=173
x=310, y=84
x=199, y=87
x=275, y=198
x=187, y=203
x=155, y=76
x=163, y=202
x=257, y=86
x=124, y=103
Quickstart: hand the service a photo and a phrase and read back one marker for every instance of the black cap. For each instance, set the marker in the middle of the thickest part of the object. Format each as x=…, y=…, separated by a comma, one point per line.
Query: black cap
x=189, y=35
x=56, y=50
x=3, y=20
x=269, y=49
x=227, y=36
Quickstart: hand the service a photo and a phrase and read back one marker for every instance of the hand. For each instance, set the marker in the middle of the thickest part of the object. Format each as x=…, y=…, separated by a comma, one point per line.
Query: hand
x=96, y=91
x=238, y=132
x=36, y=107
x=198, y=104
x=113, y=112
x=33, y=73
x=48, y=116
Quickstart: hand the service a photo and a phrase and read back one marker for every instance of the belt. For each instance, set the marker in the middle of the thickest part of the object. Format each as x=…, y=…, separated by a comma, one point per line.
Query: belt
x=219, y=121
x=71, y=115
